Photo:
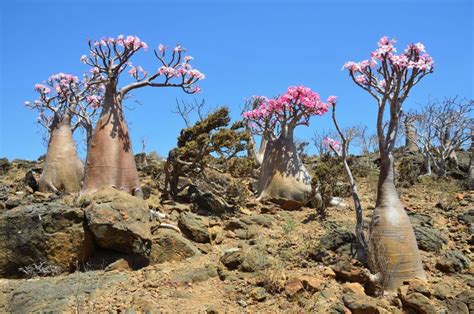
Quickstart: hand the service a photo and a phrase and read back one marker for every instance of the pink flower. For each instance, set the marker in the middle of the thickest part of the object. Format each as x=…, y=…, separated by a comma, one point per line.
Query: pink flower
x=42, y=89
x=332, y=100
x=332, y=143
x=361, y=79
x=120, y=40
x=196, y=74
x=196, y=89
x=132, y=71
x=94, y=101
x=83, y=58
x=178, y=48
x=161, y=48
x=94, y=70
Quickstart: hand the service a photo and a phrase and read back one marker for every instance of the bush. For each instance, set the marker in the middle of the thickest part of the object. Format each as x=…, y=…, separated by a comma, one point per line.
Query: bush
x=328, y=179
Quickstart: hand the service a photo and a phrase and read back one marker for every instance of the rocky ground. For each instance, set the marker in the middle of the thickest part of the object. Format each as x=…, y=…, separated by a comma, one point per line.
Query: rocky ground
x=58, y=254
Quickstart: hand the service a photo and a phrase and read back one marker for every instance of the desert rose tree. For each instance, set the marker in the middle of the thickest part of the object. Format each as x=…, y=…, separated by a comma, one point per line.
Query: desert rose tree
x=389, y=78
x=110, y=160
x=60, y=100
x=282, y=173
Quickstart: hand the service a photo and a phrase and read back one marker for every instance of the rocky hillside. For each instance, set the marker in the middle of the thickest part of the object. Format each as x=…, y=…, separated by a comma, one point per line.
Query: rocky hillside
x=213, y=254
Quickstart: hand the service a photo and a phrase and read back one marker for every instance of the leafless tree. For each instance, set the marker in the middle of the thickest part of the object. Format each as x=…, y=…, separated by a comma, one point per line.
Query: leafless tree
x=318, y=139
x=442, y=127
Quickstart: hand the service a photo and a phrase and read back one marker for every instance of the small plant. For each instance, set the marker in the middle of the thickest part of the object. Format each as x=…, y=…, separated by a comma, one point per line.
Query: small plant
x=328, y=178
x=289, y=225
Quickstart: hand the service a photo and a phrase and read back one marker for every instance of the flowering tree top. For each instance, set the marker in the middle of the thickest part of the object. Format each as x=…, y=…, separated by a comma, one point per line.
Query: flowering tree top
x=276, y=116
x=109, y=57
x=65, y=95
x=388, y=75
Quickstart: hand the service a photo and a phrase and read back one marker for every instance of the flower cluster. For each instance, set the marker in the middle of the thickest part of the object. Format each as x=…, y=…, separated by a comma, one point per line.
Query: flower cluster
x=42, y=89
x=387, y=64
x=130, y=42
x=332, y=143
x=94, y=101
x=294, y=107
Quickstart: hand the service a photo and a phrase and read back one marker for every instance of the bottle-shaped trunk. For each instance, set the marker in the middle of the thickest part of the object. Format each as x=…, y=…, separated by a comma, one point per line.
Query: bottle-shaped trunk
x=282, y=173
x=63, y=170
x=393, y=250
x=110, y=161
x=410, y=136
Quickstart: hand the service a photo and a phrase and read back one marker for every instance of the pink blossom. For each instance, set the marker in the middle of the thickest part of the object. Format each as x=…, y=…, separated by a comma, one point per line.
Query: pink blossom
x=361, y=79
x=43, y=89
x=196, y=89
x=83, y=58
x=94, y=101
x=132, y=71
x=196, y=74
x=120, y=40
x=332, y=100
x=161, y=48
x=178, y=48
x=94, y=70
x=332, y=143
x=188, y=58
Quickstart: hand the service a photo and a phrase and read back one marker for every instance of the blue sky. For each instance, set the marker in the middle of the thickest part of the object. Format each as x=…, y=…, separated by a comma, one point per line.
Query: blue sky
x=243, y=47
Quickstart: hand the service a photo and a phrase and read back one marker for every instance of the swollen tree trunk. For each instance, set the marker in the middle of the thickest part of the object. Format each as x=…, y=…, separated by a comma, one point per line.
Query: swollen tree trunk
x=110, y=160
x=63, y=170
x=410, y=136
x=393, y=250
x=282, y=173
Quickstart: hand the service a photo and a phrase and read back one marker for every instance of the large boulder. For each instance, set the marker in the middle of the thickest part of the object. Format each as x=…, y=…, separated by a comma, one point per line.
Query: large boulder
x=63, y=294
x=170, y=246
x=453, y=262
x=42, y=239
x=119, y=221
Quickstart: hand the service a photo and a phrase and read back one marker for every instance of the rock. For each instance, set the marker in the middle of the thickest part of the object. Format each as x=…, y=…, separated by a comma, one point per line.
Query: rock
x=287, y=204
x=338, y=240
x=264, y=220
x=48, y=235
x=420, y=219
x=455, y=306
x=232, y=258
x=429, y=239
x=419, y=303
x=467, y=297
x=258, y=294
x=420, y=286
x=328, y=272
x=194, y=275
x=195, y=227
x=254, y=259
x=442, y=291
x=241, y=229
x=121, y=265
x=353, y=287
x=57, y=294
x=293, y=286
x=467, y=218
x=170, y=246
x=345, y=271
x=119, y=221
x=311, y=283
x=211, y=309
x=360, y=304
x=453, y=262
x=208, y=202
